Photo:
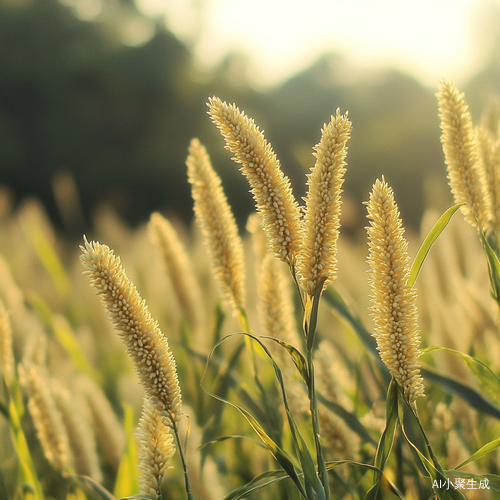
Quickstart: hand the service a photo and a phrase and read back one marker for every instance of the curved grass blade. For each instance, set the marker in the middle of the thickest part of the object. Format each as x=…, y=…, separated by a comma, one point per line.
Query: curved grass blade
x=220, y=439
x=386, y=440
x=430, y=463
x=429, y=240
x=337, y=302
x=336, y=463
x=94, y=486
x=280, y=455
x=493, y=266
x=463, y=391
x=48, y=256
x=349, y=418
x=488, y=380
x=297, y=357
x=254, y=485
x=23, y=452
x=483, y=451
x=65, y=335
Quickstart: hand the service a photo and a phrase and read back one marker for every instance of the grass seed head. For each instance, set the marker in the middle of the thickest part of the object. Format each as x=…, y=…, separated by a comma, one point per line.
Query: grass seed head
x=156, y=447
x=318, y=252
x=178, y=266
x=271, y=189
x=465, y=170
x=394, y=309
x=144, y=341
x=214, y=216
x=46, y=417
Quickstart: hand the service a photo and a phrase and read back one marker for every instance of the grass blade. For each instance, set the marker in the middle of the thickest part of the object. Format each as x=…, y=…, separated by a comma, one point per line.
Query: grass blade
x=488, y=380
x=386, y=440
x=23, y=453
x=483, y=451
x=254, y=486
x=279, y=454
x=429, y=240
x=463, y=391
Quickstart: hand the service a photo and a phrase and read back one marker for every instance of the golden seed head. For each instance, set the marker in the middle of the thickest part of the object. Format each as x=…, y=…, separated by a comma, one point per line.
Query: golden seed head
x=394, y=309
x=145, y=342
x=465, y=170
x=270, y=187
x=176, y=261
x=276, y=304
x=317, y=259
x=156, y=447
x=216, y=220
x=46, y=417
x=80, y=435
x=100, y=416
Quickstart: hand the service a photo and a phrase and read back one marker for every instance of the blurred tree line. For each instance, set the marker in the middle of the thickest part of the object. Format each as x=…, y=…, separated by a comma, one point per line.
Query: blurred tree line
x=77, y=97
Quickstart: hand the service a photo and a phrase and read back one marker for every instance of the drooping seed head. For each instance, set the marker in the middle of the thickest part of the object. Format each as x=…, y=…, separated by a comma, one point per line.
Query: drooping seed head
x=271, y=189
x=144, y=341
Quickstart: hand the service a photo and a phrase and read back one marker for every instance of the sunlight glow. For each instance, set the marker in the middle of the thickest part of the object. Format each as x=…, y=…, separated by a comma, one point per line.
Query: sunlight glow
x=428, y=38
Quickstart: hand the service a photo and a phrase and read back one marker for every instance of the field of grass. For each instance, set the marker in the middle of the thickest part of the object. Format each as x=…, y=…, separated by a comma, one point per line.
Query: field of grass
x=282, y=362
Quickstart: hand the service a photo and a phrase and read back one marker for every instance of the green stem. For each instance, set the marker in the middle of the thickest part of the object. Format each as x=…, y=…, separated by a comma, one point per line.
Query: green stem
x=183, y=461
x=310, y=327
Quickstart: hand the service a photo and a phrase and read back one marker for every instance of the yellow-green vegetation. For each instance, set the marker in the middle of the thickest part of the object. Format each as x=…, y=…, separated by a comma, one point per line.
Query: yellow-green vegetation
x=225, y=364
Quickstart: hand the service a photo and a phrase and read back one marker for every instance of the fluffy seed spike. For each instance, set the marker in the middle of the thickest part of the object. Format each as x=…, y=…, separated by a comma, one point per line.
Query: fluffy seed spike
x=176, y=261
x=317, y=258
x=145, y=342
x=394, y=309
x=465, y=172
x=270, y=187
x=156, y=447
x=216, y=220
x=46, y=417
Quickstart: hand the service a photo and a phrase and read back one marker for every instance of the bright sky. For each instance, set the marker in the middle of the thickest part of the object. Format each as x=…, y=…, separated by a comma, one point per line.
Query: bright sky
x=429, y=38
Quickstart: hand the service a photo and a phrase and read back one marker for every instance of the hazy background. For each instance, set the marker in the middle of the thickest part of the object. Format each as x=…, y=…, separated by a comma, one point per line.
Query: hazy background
x=100, y=98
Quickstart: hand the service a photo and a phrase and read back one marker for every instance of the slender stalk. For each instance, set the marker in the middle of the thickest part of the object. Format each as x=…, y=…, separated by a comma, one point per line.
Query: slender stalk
x=187, y=482
x=310, y=332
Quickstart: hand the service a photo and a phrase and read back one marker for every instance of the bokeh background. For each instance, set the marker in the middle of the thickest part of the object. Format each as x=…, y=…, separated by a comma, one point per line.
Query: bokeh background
x=100, y=98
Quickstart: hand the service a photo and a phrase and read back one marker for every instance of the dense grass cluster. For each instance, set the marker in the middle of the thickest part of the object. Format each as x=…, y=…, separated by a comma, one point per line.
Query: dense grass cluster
x=253, y=372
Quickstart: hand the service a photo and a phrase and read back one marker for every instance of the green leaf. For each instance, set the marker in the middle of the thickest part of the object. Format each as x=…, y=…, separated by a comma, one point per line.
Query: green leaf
x=493, y=266
x=47, y=255
x=280, y=455
x=297, y=357
x=483, y=451
x=91, y=484
x=386, y=439
x=23, y=452
x=65, y=335
x=220, y=439
x=463, y=391
x=429, y=240
x=349, y=418
x=488, y=380
x=431, y=465
x=255, y=485
x=127, y=480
